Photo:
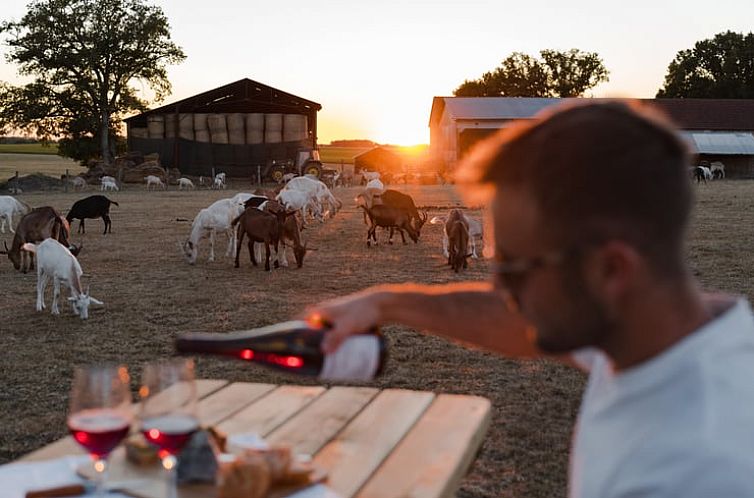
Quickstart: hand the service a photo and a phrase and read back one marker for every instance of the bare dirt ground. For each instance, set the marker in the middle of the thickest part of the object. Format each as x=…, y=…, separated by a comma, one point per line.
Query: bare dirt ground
x=151, y=294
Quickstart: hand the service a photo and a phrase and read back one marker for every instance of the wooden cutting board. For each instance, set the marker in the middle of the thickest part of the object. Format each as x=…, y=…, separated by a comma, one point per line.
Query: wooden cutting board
x=150, y=482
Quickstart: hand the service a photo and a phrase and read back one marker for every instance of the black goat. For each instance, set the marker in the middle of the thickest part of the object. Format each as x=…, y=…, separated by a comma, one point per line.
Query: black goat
x=389, y=217
x=94, y=206
x=396, y=199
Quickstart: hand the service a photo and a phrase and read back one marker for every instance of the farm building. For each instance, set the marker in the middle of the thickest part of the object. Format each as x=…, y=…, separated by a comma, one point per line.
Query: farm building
x=717, y=129
x=233, y=128
x=380, y=159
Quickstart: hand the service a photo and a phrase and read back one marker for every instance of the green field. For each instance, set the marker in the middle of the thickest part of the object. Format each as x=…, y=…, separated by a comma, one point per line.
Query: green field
x=329, y=154
x=51, y=149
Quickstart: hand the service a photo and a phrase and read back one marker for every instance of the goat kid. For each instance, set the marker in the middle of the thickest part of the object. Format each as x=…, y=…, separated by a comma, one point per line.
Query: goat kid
x=185, y=183
x=261, y=227
x=56, y=261
x=39, y=224
x=154, y=180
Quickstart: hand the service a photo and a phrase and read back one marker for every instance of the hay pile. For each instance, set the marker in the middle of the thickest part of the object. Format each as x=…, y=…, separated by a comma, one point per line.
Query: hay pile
x=131, y=168
x=30, y=183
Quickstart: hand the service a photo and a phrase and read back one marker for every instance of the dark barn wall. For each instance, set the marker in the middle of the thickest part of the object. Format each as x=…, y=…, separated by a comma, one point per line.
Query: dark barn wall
x=738, y=166
x=379, y=159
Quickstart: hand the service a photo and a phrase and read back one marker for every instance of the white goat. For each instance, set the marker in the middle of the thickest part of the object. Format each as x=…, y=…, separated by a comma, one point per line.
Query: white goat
x=370, y=175
x=320, y=191
x=218, y=182
x=78, y=183
x=185, y=182
x=216, y=218
x=56, y=261
x=154, y=180
x=8, y=207
x=108, y=183
x=718, y=169
x=475, y=232
x=295, y=200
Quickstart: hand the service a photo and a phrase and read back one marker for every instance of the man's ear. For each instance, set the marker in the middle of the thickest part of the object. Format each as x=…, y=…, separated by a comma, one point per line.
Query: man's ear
x=613, y=270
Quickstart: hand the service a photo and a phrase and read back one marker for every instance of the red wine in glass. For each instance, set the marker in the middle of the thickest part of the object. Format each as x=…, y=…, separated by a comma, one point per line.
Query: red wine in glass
x=99, y=431
x=169, y=432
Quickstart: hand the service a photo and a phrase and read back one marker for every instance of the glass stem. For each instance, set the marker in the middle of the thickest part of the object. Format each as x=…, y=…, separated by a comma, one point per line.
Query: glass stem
x=100, y=467
x=169, y=463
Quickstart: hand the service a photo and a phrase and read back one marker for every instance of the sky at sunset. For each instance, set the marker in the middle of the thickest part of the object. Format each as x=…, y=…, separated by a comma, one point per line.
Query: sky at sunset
x=375, y=65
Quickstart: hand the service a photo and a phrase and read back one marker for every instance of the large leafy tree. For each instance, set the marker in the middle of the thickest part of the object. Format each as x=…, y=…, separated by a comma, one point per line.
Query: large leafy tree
x=84, y=57
x=721, y=67
x=554, y=74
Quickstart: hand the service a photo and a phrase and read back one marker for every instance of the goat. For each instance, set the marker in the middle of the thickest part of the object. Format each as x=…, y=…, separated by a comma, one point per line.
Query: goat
x=94, y=206
x=185, y=182
x=39, y=224
x=475, y=232
x=297, y=200
x=56, y=261
x=77, y=182
x=8, y=207
x=399, y=200
x=386, y=217
x=260, y=227
x=217, y=217
x=457, y=229
x=718, y=170
x=108, y=183
x=154, y=180
x=702, y=174
x=219, y=181
x=318, y=189
x=370, y=175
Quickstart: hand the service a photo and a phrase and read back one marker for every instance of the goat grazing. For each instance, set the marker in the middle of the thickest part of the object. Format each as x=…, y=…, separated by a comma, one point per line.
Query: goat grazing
x=387, y=217
x=39, y=224
x=154, y=180
x=399, y=200
x=56, y=261
x=94, y=206
x=457, y=229
x=217, y=217
x=260, y=227
x=10, y=206
x=185, y=183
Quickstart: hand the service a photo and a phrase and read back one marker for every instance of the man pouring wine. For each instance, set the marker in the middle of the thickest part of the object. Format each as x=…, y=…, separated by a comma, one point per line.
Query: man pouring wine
x=591, y=206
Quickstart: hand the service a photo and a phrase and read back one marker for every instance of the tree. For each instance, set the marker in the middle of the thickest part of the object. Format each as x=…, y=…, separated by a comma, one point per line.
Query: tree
x=84, y=56
x=717, y=68
x=556, y=74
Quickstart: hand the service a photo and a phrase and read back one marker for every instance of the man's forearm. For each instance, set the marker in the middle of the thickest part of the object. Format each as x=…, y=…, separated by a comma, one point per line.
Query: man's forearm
x=472, y=312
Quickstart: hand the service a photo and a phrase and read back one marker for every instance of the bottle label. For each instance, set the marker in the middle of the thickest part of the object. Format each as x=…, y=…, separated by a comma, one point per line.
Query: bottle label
x=358, y=358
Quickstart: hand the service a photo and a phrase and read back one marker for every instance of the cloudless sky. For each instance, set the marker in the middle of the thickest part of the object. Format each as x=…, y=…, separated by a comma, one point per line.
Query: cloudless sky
x=375, y=65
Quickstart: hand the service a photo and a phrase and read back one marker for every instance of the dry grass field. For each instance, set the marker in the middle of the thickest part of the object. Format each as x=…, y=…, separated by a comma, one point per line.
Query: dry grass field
x=28, y=162
x=151, y=294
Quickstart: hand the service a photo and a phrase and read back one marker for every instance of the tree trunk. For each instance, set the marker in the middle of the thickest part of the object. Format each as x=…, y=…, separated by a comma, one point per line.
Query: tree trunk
x=105, y=137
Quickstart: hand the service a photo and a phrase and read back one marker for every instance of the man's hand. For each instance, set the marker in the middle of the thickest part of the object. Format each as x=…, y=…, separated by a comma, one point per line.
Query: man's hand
x=348, y=315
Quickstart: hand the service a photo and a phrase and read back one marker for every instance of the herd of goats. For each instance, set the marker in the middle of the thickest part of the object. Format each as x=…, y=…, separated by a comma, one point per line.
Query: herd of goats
x=272, y=219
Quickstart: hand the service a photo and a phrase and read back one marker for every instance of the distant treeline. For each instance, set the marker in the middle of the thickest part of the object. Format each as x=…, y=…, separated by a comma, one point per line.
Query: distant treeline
x=18, y=140
x=353, y=143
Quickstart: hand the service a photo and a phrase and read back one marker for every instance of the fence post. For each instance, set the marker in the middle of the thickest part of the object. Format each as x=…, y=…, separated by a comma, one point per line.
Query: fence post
x=15, y=185
x=259, y=174
x=65, y=182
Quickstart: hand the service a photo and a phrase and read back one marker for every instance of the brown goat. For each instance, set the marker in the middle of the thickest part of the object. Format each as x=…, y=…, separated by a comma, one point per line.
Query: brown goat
x=261, y=227
x=40, y=224
x=458, y=240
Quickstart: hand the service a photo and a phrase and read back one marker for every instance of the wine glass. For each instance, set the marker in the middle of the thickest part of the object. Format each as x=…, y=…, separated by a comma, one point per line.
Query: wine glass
x=168, y=411
x=100, y=413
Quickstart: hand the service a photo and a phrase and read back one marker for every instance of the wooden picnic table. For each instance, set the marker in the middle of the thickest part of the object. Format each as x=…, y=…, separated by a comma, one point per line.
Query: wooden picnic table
x=372, y=443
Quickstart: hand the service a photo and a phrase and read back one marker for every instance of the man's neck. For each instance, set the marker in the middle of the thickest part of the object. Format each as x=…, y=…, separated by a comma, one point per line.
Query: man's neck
x=656, y=322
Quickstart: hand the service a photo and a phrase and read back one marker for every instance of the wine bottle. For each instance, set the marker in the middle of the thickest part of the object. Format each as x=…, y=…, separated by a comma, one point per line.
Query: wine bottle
x=294, y=347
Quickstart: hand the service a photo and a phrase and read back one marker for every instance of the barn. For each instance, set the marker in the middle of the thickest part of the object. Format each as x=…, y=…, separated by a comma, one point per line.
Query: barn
x=381, y=159
x=716, y=129
x=235, y=128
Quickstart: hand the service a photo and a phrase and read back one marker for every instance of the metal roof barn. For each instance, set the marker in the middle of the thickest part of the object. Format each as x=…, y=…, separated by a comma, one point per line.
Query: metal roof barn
x=234, y=128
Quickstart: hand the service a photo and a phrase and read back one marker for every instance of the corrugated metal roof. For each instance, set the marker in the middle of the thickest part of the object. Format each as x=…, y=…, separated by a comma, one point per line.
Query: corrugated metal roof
x=721, y=143
x=688, y=114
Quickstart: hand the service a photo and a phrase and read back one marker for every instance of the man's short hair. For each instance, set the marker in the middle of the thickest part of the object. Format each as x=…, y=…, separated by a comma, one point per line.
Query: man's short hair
x=598, y=171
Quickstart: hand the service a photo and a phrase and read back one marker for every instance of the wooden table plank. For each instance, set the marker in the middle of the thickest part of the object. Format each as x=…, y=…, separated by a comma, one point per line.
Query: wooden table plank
x=315, y=425
x=67, y=446
x=360, y=448
x=270, y=411
x=434, y=456
x=220, y=405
